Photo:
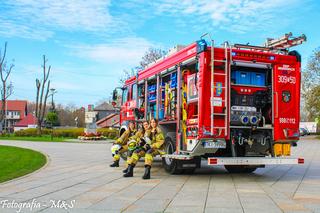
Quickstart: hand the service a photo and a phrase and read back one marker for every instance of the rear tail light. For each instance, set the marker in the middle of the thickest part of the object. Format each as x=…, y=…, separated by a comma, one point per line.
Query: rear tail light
x=300, y=161
x=213, y=161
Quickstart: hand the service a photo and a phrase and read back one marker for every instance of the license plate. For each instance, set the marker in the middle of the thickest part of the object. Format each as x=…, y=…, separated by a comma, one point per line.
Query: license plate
x=214, y=144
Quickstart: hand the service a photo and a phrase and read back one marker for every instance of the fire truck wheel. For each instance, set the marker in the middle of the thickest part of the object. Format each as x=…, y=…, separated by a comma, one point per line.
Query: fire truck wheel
x=169, y=164
x=239, y=169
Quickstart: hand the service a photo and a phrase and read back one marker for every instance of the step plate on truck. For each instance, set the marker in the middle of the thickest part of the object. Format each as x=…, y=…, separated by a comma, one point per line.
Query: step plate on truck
x=254, y=161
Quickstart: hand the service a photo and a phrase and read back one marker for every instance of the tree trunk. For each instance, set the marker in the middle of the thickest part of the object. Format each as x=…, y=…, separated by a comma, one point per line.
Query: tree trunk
x=41, y=98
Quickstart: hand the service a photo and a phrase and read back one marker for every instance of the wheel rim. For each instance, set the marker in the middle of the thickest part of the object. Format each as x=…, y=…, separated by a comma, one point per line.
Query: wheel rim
x=169, y=150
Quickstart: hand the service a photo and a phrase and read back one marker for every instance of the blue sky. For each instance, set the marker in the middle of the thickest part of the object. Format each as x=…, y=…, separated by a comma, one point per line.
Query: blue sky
x=90, y=43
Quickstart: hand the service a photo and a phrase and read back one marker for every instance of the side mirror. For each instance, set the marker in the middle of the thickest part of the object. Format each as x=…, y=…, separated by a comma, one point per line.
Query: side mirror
x=115, y=95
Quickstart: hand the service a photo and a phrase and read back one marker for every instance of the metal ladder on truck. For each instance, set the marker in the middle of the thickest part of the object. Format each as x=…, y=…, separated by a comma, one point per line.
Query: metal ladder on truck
x=224, y=88
x=285, y=42
x=281, y=44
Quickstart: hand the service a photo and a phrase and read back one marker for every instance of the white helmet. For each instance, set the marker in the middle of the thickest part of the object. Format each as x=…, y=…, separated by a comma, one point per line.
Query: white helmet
x=115, y=148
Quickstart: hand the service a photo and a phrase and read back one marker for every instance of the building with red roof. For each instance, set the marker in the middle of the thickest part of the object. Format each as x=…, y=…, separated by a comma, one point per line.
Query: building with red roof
x=16, y=110
x=28, y=121
x=111, y=120
x=107, y=115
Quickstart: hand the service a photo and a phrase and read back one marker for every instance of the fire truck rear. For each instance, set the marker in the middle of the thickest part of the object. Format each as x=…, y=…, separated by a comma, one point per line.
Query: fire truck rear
x=234, y=105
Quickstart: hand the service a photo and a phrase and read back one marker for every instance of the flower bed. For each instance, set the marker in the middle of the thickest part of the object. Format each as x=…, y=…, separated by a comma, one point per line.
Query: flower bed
x=92, y=136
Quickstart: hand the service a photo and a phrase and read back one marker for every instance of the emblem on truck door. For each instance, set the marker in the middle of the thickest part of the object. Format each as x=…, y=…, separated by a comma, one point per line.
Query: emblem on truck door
x=286, y=96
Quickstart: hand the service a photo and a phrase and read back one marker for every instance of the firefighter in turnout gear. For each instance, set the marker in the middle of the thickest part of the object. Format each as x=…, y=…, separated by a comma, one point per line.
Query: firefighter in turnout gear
x=135, y=140
x=149, y=150
x=120, y=145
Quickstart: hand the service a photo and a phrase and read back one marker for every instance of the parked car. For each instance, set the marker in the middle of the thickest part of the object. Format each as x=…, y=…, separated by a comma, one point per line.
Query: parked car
x=308, y=132
x=304, y=131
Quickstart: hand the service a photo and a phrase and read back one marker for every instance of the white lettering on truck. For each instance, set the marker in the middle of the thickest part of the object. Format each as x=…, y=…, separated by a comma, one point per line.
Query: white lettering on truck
x=286, y=79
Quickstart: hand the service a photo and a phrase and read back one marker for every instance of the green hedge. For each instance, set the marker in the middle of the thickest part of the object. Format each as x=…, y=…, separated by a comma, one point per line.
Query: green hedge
x=30, y=132
x=69, y=133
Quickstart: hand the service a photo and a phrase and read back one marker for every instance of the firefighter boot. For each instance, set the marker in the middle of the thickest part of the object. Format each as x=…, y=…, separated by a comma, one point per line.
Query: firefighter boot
x=130, y=171
x=115, y=164
x=146, y=172
x=125, y=170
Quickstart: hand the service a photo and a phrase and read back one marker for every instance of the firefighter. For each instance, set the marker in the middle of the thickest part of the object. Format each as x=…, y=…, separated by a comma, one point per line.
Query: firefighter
x=120, y=145
x=149, y=150
x=135, y=140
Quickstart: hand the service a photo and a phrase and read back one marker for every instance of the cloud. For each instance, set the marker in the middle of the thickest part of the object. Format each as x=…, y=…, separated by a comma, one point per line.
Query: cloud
x=231, y=15
x=25, y=18
x=9, y=28
x=127, y=51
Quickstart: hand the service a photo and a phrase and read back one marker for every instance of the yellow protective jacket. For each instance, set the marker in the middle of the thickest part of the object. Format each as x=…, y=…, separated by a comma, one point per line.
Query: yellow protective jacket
x=136, y=136
x=157, y=139
x=125, y=136
x=139, y=134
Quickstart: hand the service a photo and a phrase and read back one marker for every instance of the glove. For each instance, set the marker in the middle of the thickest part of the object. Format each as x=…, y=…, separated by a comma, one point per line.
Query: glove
x=132, y=145
x=147, y=147
x=142, y=142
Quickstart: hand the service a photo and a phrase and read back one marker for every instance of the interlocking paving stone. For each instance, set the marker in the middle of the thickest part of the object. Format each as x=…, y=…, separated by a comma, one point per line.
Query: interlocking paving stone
x=81, y=172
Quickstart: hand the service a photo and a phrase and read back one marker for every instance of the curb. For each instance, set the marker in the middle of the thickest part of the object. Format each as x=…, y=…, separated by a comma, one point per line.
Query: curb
x=48, y=161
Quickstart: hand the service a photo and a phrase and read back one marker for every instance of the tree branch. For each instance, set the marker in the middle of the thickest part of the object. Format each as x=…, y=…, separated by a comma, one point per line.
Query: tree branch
x=4, y=53
x=45, y=100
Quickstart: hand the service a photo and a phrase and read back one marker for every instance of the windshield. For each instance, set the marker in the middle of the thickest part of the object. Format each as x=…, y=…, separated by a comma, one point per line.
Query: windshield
x=134, y=92
x=125, y=95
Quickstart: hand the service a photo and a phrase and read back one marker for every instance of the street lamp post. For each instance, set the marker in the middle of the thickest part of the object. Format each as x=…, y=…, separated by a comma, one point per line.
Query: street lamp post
x=53, y=91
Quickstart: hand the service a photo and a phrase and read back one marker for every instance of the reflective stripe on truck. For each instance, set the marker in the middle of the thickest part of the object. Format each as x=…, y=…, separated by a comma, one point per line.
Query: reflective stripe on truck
x=254, y=161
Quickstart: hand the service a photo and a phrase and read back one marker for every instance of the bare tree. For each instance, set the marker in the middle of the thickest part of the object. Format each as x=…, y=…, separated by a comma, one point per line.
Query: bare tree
x=150, y=56
x=6, y=89
x=43, y=88
x=127, y=74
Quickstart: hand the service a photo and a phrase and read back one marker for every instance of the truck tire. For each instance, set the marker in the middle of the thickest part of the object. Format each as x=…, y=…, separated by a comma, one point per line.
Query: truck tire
x=239, y=169
x=170, y=165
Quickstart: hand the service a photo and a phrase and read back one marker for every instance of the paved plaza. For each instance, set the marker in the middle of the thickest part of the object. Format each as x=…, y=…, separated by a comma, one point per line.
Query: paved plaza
x=79, y=175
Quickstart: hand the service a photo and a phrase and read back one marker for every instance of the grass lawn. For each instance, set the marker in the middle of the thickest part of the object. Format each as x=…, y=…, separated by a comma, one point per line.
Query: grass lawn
x=33, y=138
x=16, y=162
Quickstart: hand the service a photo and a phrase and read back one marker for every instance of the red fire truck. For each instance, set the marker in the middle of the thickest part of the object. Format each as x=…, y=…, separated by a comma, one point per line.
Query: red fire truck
x=234, y=105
